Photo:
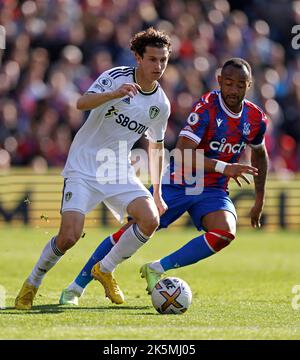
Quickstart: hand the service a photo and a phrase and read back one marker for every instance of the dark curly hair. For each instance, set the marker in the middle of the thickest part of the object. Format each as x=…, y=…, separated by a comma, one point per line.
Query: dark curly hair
x=149, y=37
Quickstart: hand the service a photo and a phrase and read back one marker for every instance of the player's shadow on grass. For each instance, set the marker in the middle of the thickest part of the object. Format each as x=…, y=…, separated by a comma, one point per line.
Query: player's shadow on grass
x=56, y=309
x=49, y=309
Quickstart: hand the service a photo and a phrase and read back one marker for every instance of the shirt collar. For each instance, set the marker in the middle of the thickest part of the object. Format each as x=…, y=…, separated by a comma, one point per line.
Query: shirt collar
x=227, y=110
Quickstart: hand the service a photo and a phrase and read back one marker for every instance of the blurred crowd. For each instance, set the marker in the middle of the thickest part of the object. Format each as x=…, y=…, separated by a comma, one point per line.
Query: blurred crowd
x=56, y=48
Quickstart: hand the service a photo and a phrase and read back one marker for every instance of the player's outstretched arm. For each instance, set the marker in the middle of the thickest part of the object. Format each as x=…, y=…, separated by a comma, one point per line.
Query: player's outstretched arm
x=259, y=159
x=90, y=101
x=234, y=171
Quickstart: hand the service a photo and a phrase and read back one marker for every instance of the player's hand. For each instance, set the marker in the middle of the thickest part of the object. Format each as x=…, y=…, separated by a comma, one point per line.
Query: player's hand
x=129, y=89
x=237, y=171
x=255, y=214
x=162, y=207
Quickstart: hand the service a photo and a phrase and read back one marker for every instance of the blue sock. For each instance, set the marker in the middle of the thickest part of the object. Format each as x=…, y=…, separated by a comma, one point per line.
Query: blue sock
x=84, y=277
x=190, y=253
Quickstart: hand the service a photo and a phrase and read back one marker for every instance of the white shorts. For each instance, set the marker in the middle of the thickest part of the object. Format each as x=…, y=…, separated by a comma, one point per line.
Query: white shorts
x=84, y=195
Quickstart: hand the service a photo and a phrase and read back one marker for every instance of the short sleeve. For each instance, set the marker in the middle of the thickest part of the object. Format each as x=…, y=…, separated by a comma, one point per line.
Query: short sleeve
x=259, y=138
x=196, y=123
x=157, y=130
x=104, y=83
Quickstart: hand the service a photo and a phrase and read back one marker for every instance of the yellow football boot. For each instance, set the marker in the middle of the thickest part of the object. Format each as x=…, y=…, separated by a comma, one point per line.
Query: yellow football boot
x=25, y=297
x=112, y=290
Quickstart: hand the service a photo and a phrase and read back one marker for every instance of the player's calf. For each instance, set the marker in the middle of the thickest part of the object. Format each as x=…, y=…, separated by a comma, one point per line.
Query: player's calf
x=197, y=249
x=70, y=230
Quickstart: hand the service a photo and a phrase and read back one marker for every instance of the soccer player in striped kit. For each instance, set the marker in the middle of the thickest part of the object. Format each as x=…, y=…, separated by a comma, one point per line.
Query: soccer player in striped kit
x=222, y=123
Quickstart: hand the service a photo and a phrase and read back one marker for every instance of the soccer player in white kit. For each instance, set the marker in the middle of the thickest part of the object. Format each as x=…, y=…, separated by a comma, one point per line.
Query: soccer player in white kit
x=125, y=104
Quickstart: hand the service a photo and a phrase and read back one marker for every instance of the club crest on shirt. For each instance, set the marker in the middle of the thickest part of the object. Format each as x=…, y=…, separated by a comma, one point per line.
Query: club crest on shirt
x=68, y=196
x=153, y=112
x=246, y=129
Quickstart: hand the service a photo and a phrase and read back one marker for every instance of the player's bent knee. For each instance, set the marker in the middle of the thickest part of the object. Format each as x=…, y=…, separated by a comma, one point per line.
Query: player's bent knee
x=153, y=223
x=65, y=242
x=218, y=239
x=149, y=225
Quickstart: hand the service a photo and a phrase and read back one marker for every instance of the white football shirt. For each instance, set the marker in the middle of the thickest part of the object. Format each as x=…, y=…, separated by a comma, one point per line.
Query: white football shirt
x=111, y=129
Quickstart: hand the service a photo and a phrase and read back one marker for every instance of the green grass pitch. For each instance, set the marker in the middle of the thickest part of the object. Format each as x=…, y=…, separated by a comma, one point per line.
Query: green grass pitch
x=244, y=292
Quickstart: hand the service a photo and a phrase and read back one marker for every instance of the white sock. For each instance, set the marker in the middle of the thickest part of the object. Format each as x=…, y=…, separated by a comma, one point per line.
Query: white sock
x=130, y=241
x=49, y=257
x=156, y=266
x=76, y=288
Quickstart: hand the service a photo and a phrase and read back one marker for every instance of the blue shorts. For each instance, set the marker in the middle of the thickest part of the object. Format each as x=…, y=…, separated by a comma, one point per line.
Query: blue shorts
x=197, y=206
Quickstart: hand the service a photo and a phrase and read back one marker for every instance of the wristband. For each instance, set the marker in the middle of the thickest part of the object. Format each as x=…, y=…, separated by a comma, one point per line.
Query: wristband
x=220, y=166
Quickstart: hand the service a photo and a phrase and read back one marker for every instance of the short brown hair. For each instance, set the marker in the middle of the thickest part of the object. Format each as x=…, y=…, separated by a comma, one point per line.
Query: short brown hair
x=149, y=37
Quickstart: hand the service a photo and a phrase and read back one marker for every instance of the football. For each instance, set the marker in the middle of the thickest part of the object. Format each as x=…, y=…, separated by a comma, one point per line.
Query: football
x=171, y=295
